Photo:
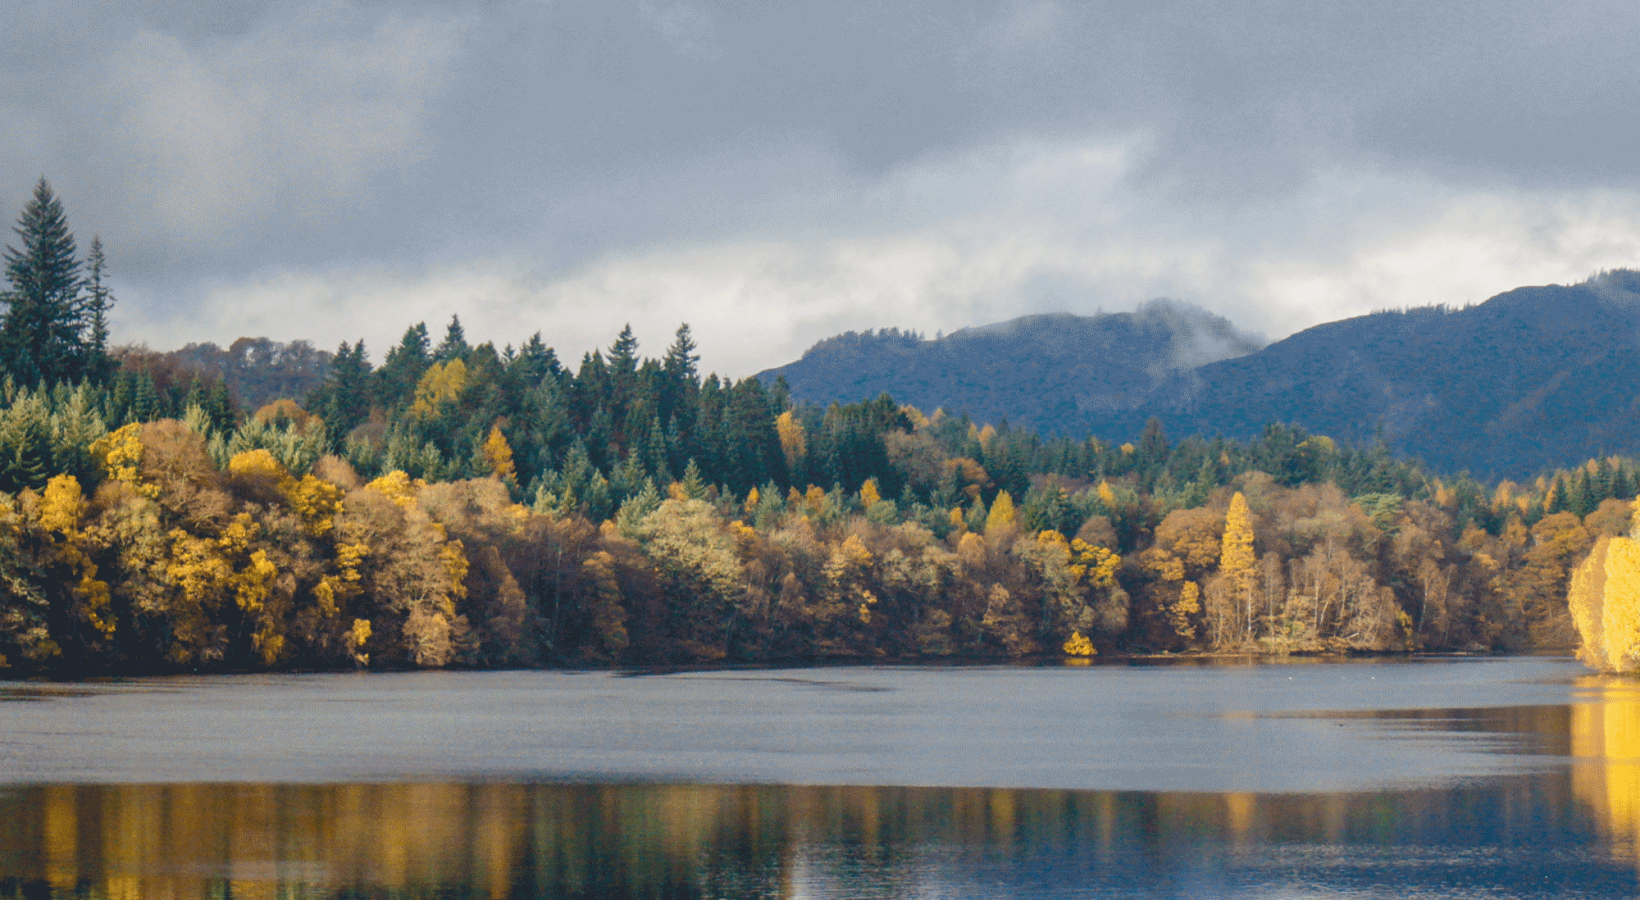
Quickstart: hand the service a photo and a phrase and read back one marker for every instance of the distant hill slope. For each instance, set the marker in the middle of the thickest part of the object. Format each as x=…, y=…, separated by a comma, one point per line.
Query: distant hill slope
x=1048, y=372
x=257, y=371
x=1532, y=378
x=1535, y=377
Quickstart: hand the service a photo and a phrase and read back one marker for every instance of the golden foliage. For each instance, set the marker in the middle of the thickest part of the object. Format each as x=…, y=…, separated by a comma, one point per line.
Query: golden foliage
x=851, y=555
x=1078, y=645
x=257, y=463
x=1186, y=609
x=498, y=453
x=869, y=496
x=793, y=442
x=356, y=638
x=121, y=455
x=1097, y=563
x=61, y=505
x=315, y=501
x=441, y=384
x=398, y=487
x=1002, y=515
x=1604, y=599
x=1236, y=553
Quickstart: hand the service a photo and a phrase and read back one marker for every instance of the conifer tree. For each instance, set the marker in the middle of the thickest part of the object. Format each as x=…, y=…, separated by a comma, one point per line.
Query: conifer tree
x=1001, y=515
x=401, y=371
x=454, y=345
x=534, y=362
x=1236, y=560
x=694, y=488
x=41, y=335
x=99, y=365
x=343, y=401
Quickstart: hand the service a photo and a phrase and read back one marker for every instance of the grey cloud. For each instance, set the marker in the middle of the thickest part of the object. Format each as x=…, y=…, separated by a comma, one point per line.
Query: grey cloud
x=218, y=143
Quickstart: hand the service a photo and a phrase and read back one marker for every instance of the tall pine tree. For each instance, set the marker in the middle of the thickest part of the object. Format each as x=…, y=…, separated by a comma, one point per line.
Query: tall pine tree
x=42, y=334
x=99, y=365
x=454, y=345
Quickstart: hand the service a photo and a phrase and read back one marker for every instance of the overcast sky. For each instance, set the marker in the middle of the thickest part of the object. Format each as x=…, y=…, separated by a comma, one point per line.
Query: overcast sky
x=773, y=172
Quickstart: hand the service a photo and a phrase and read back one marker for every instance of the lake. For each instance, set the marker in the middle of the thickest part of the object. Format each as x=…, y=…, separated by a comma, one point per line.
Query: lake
x=1515, y=777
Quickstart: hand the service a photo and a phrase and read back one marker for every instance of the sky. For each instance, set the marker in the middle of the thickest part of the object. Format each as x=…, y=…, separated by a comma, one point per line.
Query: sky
x=775, y=172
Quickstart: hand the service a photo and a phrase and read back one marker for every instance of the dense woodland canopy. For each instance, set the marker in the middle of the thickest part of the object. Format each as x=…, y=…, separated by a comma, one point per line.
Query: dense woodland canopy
x=464, y=505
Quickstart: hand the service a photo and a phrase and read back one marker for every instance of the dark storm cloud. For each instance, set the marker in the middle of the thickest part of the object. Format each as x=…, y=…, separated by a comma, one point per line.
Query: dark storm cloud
x=932, y=163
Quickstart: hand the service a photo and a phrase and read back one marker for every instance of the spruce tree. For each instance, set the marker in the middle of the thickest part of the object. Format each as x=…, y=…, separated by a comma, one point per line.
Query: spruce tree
x=454, y=345
x=343, y=401
x=404, y=366
x=99, y=365
x=41, y=336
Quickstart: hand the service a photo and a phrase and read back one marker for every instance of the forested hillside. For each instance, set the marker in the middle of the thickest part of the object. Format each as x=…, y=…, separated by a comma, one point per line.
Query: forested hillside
x=1532, y=379
x=464, y=505
x=1047, y=372
x=255, y=371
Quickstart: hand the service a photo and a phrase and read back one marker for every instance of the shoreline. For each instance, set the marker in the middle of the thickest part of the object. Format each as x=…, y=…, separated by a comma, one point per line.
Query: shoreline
x=1193, y=658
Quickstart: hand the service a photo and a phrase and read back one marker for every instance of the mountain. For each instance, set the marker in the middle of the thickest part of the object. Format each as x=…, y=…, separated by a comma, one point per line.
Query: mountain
x=1532, y=378
x=1046, y=372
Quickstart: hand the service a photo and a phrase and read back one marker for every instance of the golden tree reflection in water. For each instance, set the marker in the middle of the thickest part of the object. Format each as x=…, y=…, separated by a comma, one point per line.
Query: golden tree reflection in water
x=1606, y=743
x=496, y=840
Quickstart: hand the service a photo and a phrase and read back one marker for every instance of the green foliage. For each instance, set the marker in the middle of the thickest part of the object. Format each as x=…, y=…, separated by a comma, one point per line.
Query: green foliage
x=382, y=525
x=51, y=332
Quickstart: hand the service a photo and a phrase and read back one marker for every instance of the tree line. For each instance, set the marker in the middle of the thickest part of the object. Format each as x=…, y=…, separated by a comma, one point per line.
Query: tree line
x=464, y=505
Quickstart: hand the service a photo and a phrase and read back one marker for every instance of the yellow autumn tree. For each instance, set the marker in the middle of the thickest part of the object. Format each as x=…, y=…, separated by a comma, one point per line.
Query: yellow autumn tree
x=1604, y=598
x=442, y=383
x=61, y=509
x=1188, y=605
x=121, y=455
x=1078, y=645
x=1002, y=515
x=793, y=442
x=1236, y=554
x=1239, y=568
x=498, y=453
x=869, y=495
x=398, y=487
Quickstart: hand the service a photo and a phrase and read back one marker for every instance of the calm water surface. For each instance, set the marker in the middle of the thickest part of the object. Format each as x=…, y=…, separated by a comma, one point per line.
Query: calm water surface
x=1440, y=778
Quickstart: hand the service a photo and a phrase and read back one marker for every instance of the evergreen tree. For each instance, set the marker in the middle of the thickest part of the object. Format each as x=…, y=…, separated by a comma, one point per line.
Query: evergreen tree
x=622, y=369
x=680, y=380
x=219, y=405
x=99, y=365
x=41, y=335
x=454, y=345
x=343, y=401
x=404, y=366
x=534, y=362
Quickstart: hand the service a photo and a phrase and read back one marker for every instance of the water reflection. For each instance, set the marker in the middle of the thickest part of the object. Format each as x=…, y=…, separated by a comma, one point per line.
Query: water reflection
x=1605, y=739
x=1497, y=838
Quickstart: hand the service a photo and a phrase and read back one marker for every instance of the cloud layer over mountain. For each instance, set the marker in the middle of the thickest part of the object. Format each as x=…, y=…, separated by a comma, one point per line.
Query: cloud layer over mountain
x=776, y=172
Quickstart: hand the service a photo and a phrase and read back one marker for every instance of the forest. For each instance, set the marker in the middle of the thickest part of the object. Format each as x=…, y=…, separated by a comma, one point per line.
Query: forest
x=461, y=505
